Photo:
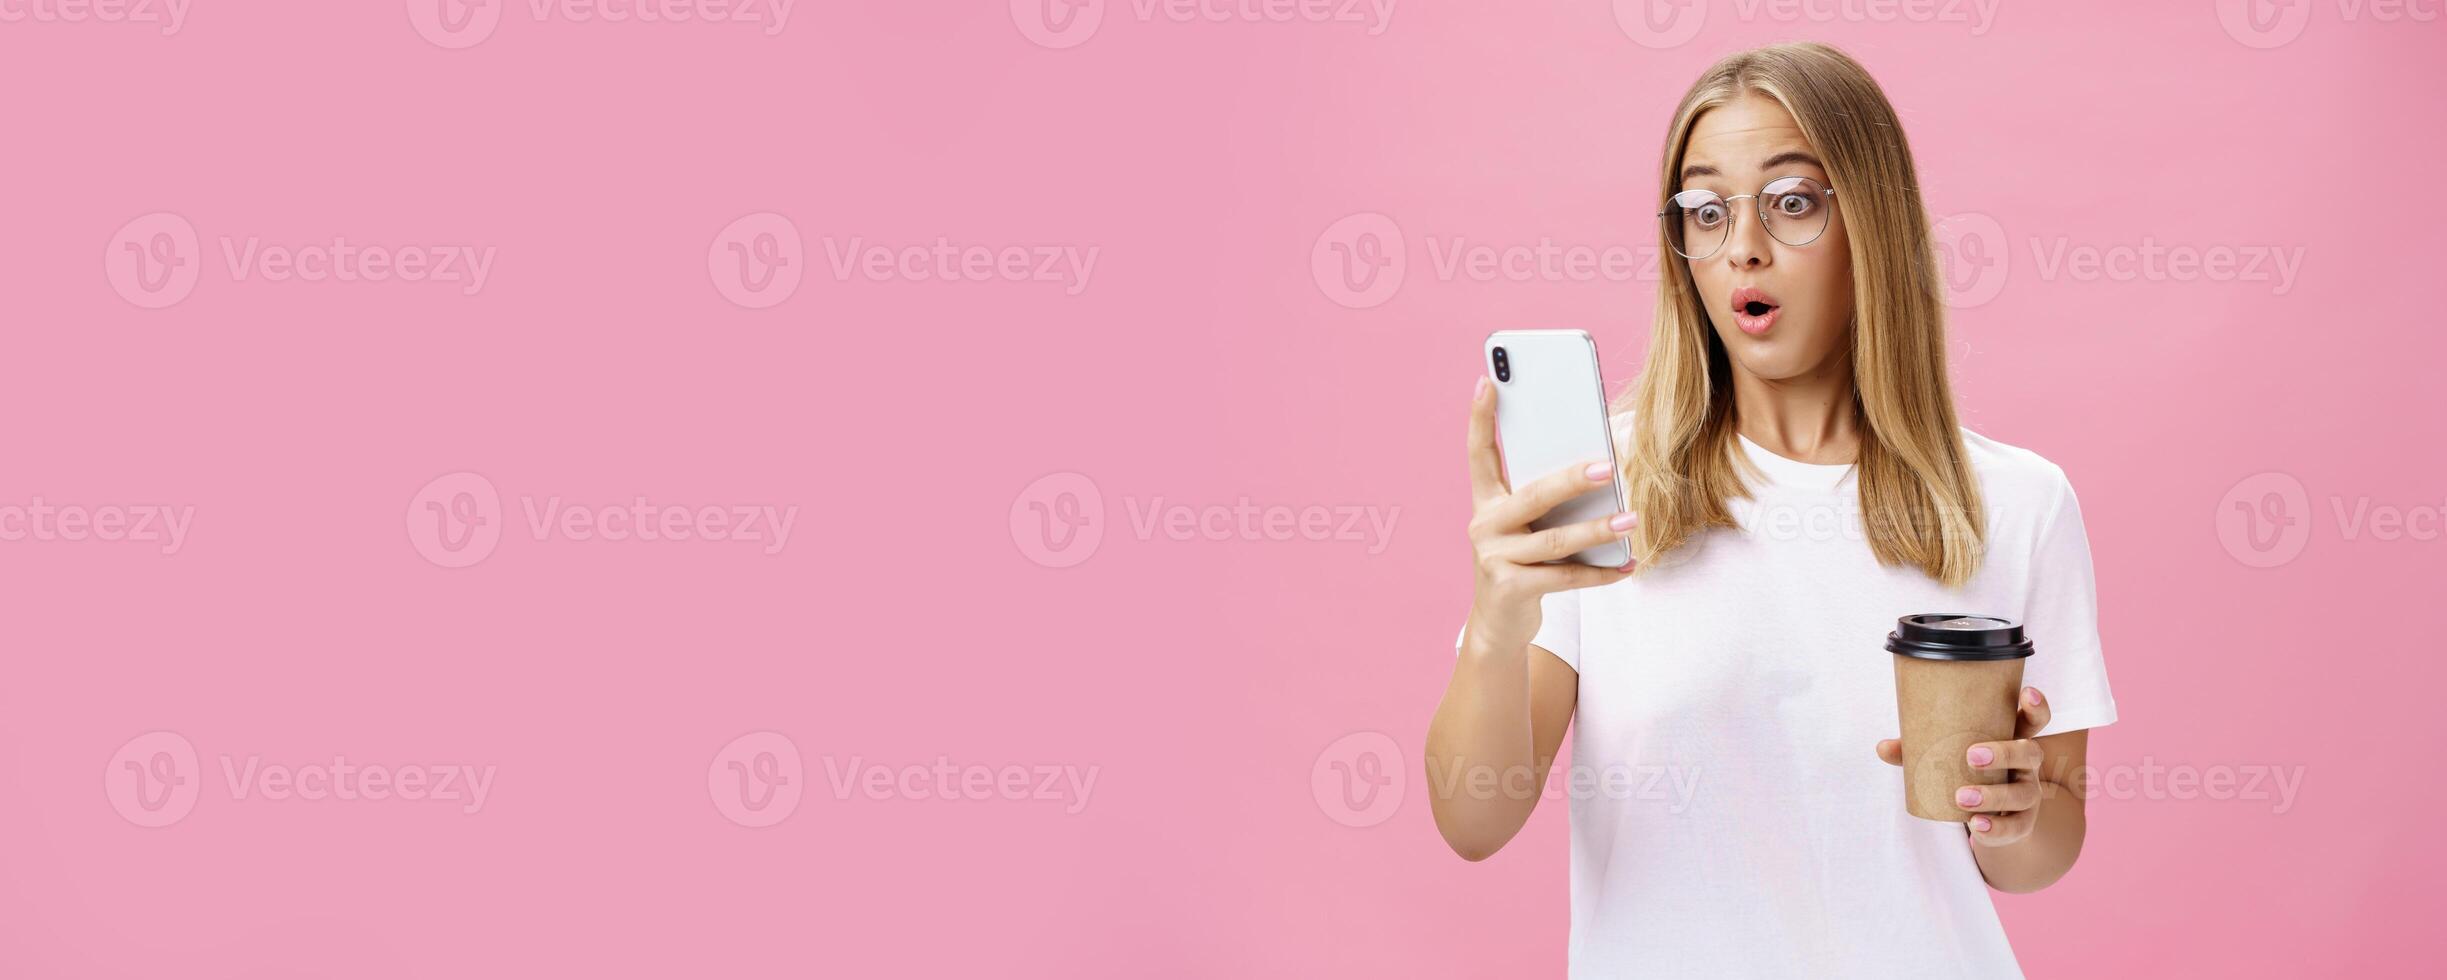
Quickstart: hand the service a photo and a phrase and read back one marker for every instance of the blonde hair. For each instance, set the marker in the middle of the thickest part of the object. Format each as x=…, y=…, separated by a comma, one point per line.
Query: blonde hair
x=1920, y=505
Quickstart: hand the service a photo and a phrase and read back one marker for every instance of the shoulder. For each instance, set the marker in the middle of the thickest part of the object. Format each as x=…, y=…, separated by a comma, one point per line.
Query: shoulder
x=2014, y=479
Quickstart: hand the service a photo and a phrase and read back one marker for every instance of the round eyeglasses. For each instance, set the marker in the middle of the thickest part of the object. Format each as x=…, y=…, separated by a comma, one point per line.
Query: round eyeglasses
x=1793, y=209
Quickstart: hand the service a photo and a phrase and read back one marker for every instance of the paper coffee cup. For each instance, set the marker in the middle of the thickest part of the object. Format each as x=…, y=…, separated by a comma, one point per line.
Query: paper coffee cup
x=1956, y=679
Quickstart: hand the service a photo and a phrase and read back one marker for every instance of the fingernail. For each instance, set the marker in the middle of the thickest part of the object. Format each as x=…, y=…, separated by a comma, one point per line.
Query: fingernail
x=2032, y=693
x=1981, y=824
x=1967, y=797
x=1600, y=471
x=1480, y=391
x=1623, y=522
x=1628, y=566
x=1981, y=755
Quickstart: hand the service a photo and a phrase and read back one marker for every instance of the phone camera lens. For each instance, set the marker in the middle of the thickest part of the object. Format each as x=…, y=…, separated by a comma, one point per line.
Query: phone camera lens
x=1503, y=365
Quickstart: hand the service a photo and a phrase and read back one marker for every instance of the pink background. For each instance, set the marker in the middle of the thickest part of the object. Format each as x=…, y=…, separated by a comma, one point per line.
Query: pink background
x=915, y=615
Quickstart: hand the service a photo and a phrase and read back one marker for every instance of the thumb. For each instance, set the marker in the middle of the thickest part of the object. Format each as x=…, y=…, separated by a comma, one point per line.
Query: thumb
x=1890, y=751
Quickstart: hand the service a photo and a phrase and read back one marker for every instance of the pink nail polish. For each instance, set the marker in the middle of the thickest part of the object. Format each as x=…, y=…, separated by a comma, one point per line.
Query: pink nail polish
x=1981, y=755
x=1967, y=797
x=1622, y=522
x=1981, y=824
x=1597, y=471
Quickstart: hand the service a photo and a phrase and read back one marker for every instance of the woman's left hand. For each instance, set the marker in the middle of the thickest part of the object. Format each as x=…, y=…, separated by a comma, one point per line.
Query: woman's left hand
x=1999, y=813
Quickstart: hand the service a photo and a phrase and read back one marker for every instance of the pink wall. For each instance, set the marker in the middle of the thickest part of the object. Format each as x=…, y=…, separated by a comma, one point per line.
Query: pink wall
x=1188, y=694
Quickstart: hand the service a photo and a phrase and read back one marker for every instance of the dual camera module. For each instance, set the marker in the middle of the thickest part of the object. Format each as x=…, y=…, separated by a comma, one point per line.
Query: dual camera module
x=1503, y=365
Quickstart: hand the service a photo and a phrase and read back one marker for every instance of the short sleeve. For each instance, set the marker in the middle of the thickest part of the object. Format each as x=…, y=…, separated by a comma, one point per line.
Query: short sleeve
x=2061, y=616
x=1558, y=627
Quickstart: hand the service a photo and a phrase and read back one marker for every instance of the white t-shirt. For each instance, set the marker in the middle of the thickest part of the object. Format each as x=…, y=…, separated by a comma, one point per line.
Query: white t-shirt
x=1730, y=816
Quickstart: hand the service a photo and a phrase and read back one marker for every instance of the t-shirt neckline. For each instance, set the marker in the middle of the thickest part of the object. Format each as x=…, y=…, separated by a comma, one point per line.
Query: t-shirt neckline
x=1794, y=473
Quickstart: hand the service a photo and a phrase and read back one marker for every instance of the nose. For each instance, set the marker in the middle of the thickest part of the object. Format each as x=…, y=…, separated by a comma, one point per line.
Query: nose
x=1748, y=246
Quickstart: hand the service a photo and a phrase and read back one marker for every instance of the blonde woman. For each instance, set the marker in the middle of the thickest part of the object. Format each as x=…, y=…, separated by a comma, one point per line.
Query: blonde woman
x=1797, y=481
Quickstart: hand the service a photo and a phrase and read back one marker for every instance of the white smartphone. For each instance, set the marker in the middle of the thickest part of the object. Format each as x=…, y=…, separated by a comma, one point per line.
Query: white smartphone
x=1550, y=413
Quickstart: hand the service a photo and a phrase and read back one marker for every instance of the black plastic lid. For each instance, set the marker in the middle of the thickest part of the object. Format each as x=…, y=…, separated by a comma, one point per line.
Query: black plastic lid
x=1955, y=636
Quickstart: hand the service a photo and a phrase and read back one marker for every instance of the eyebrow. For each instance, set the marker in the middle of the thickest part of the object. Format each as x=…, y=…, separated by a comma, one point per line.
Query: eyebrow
x=1780, y=159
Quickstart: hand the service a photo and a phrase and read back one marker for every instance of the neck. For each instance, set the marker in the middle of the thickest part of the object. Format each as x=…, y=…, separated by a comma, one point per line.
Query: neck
x=1807, y=417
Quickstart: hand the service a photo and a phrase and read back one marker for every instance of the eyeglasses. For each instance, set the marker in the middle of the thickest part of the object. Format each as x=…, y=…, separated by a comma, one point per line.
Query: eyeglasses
x=1793, y=209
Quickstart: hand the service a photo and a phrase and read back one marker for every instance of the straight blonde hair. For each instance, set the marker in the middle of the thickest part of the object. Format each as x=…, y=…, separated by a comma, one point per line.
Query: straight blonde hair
x=1920, y=505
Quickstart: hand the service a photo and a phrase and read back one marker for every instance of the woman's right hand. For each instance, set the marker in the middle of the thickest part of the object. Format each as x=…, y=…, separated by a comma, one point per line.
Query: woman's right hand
x=1508, y=555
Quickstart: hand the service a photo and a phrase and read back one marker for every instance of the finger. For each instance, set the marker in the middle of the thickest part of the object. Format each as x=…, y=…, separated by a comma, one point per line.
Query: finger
x=2033, y=716
x=1573, y=575
x=1532, y=501
x=2000, y=829
x=1564, y=541
x=1890, y=751
x=1998, y=797
x=1486, y=466
x=2018, y=755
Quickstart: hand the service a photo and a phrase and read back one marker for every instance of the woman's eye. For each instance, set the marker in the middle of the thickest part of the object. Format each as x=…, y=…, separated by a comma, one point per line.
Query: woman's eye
x=1793, y=204
x=1709, y=214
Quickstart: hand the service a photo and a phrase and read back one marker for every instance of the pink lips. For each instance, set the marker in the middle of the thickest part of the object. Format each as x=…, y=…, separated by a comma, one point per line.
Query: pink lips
x=1753, y=325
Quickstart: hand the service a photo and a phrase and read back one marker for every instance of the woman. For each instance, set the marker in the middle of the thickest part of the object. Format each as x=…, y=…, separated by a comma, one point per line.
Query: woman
x=1797, y=481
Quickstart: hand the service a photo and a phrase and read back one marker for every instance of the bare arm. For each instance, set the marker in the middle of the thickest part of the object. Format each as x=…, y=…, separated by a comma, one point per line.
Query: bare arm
x=2025, y=833
x=1506, y=707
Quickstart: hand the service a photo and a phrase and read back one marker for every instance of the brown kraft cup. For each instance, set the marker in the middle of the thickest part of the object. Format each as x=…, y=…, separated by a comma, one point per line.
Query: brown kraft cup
x=1956, y=680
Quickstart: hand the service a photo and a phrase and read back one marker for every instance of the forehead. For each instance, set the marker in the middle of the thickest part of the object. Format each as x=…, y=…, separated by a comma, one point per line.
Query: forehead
x=1736, y=136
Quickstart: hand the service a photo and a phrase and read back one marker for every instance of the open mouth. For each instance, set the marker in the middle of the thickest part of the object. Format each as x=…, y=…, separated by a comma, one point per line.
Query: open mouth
x=1754, y=311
